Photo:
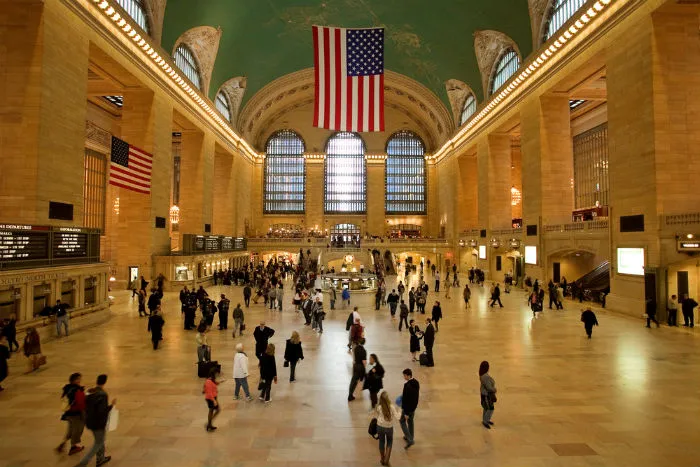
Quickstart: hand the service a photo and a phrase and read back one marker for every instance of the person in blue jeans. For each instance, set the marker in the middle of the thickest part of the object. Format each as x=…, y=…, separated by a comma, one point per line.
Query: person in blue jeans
x=409, y=404
x=240, y=373
x=97, y=411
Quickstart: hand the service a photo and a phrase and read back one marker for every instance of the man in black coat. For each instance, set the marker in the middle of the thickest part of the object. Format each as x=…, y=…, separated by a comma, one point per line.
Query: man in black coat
x=429, y=340
x=153, y=301
x=155, y=326
x=359, y=362
x=688, y=309
x=409, y=404
x=97, y=409
x=393, y=301
x=224, y=305
x=262, y=334
x=190, y=310
x=247, y=292
x=496, y=296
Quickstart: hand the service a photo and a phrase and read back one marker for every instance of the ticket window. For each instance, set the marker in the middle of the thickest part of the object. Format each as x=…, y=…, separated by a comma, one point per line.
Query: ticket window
x=67, y=293
x=181, y=273
x=90, y=292
x=9, y=304
x=42, y=300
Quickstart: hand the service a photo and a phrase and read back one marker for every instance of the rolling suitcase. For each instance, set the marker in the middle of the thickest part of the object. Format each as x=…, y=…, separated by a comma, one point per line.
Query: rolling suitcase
x=203, y=368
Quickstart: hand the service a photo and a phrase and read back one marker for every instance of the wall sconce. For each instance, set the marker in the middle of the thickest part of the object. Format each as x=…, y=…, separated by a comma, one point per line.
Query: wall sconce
x=495, y=243
x=473, y=243
x=514, y=243
x=461, y=243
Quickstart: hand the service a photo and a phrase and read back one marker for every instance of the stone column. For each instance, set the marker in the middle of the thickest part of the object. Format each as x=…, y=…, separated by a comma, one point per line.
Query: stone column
x=652, y=109
x=197, y=181
x=467, y=193
x=43, y=102
x=146, y=124
x=225, y=188
x=376, y=220
x=493, y=166
x=314, y=194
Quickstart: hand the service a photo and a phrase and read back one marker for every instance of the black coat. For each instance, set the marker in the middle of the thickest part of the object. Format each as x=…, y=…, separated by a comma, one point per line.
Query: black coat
x=96, y=409
x=411, y=393
x=153, y=301
x=429, y=336
x=268, y=367
x=293, y=352
x=437, y=313
x=415, y=338
x=4, y=356
x=261, y=337
x=373, y=380
x=155, y=326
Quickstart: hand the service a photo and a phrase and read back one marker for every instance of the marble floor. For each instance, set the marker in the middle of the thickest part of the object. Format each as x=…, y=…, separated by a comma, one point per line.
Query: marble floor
x=628, y=397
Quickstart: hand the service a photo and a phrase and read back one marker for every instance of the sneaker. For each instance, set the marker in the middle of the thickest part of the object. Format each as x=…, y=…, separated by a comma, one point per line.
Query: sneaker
x=249, y=398
x=261, y=398
x=104, y=461
x=268, y=401
x=235, y=398
x=75, y=450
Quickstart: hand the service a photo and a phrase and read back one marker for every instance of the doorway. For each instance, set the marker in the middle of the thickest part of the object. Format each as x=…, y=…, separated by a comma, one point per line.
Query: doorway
x=133, y=275
x=556, y=272
x=682, y=280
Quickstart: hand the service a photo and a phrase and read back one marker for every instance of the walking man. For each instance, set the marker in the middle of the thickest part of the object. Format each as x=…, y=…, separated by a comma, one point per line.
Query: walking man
x=688, y=309
x=359, y=358
x=403, y=315
x=224, y=305
x=60, y=310
x=496, y=296
x=393, y=301
x=437, y=280
x=247, y=292
x=262, y=335
x=429, y=341
x=155, y=327
x=238, y=319
x=409, y=404
x=97, y=411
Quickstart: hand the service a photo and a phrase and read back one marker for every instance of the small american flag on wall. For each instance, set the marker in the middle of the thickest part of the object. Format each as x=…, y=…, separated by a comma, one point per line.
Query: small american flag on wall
x=349, y=72
x=130, y=167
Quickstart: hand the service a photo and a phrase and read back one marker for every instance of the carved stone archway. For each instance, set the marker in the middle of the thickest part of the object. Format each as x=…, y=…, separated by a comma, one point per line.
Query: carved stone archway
x=234, y=89
x=457, y=93
x=203, y=41
x=489, y=46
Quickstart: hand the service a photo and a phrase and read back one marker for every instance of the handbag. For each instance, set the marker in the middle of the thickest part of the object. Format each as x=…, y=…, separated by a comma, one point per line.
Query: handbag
x=242, y=327
x=492, y=397
x=286, y=363
x=261, y=385
x=372, y=429
x=113, y=420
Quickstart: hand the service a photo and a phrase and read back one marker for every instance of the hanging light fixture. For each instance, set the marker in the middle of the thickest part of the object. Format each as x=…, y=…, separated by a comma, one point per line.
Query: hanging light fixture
x=495, y=243
x=515, y=196
x=175, y=215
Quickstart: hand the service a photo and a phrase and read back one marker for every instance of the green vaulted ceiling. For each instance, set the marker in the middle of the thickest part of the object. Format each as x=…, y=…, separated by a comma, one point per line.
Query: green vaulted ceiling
x=429, y=41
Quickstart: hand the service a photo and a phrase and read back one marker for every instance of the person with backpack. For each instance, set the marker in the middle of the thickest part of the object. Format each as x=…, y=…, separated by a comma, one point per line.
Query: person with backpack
x=403, y=315
x=97, y=410
x=74, y=396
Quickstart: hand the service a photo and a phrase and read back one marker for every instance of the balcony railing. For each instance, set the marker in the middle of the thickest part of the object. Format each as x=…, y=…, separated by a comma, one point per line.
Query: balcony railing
x=682, y=219
x=577, y=226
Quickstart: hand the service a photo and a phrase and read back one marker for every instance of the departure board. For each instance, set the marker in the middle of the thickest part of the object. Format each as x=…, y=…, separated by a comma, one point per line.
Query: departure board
x=226, y=243
x=23, y=245
x=70, y=243
x=212, y=244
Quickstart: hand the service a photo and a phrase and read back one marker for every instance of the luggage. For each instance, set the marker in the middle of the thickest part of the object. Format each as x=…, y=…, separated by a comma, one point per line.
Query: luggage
x=423, y=359
x=203, y=368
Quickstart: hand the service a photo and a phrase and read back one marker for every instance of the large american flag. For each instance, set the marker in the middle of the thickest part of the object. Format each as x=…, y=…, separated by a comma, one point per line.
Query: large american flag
x=349, y=72
x=130, y=167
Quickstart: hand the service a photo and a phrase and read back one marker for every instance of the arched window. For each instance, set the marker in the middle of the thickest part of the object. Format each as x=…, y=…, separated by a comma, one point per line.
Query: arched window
x=345, y=175
x=559, y=13
x=285, y=174
x=222, y=105
x=405, y=174
x=506, y=67
x=137, y=11
x=184, y=59
x=468, y=109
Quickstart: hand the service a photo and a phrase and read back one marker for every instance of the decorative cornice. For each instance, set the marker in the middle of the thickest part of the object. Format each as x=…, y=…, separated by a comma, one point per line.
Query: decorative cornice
x=204, y=43
x=489, y=46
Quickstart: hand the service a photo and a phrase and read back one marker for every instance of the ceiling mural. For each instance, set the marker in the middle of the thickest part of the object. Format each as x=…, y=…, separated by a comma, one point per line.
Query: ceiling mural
x=430, y=42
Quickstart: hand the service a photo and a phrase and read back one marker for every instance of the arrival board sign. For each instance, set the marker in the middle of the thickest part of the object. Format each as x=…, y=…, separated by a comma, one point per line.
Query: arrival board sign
x=70, y=243
x=23, y=245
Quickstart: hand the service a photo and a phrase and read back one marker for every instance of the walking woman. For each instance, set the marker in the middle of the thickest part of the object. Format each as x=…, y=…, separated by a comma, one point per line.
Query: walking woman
x=488, y=394
x=292, y=354
x=416, y=336
x=211, y=393
x=467, y=294
x=448, y=285
x=437, y=314
x=32, y=350
x=387, y=414
x=268, y=372
x=74, y=397
x=374, y=379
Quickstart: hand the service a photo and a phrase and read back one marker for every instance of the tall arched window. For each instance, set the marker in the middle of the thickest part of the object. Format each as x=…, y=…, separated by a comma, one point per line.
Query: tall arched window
x=137, y=11
x=345, y=175
x=223, y=106
x=285, y=174
x=559, y=13
x=405, y=174
x=184, y=59
x=468, y=109
x=506, y=67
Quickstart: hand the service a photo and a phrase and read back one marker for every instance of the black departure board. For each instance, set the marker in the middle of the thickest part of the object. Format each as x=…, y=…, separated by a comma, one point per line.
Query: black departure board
x=199, y=243
x=23, y=245
x=70, y=244
x=212, y=244
x=226, y=243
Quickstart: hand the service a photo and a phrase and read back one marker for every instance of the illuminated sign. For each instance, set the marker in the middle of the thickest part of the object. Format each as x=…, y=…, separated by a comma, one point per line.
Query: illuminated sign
x=630, y=261
x=689, y=245
x=530, y=255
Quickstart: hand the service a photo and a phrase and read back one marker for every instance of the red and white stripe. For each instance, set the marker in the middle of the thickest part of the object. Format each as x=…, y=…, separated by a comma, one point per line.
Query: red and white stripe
x=344, y=103
x=136, y=177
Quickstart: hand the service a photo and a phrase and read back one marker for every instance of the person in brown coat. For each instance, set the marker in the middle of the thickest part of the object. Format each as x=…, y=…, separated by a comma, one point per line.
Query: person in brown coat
x=32, y=350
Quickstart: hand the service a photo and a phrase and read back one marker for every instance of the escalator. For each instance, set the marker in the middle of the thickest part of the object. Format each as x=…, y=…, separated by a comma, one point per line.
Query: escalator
x=389, y=264
x=594, y=282
x=378, y=261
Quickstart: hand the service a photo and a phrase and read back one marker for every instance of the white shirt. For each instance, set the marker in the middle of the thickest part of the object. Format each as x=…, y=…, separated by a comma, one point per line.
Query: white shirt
x=379, y=415
x=201, y=339
x=240, y=365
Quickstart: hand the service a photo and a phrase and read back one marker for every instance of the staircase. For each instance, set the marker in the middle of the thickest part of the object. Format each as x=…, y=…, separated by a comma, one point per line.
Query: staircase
x=389, y=264
x=596, y=281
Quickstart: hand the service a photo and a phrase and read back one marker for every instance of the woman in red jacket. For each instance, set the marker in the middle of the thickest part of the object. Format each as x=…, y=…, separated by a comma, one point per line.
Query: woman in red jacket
x=74, y=396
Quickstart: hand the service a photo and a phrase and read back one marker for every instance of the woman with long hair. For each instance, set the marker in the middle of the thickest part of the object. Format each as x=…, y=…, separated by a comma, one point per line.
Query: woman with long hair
x=488, y=394
x=374, y=378
x=387, y=414
x=268, y=372
x=416, y=336
x=211, y=393
x=292, y=354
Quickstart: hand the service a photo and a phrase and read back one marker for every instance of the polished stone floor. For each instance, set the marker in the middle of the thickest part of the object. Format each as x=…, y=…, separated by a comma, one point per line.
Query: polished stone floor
x=628, y=397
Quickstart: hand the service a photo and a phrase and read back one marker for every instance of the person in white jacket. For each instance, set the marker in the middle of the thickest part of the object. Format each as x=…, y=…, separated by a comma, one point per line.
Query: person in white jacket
x=387, y=415
x=240, y=373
